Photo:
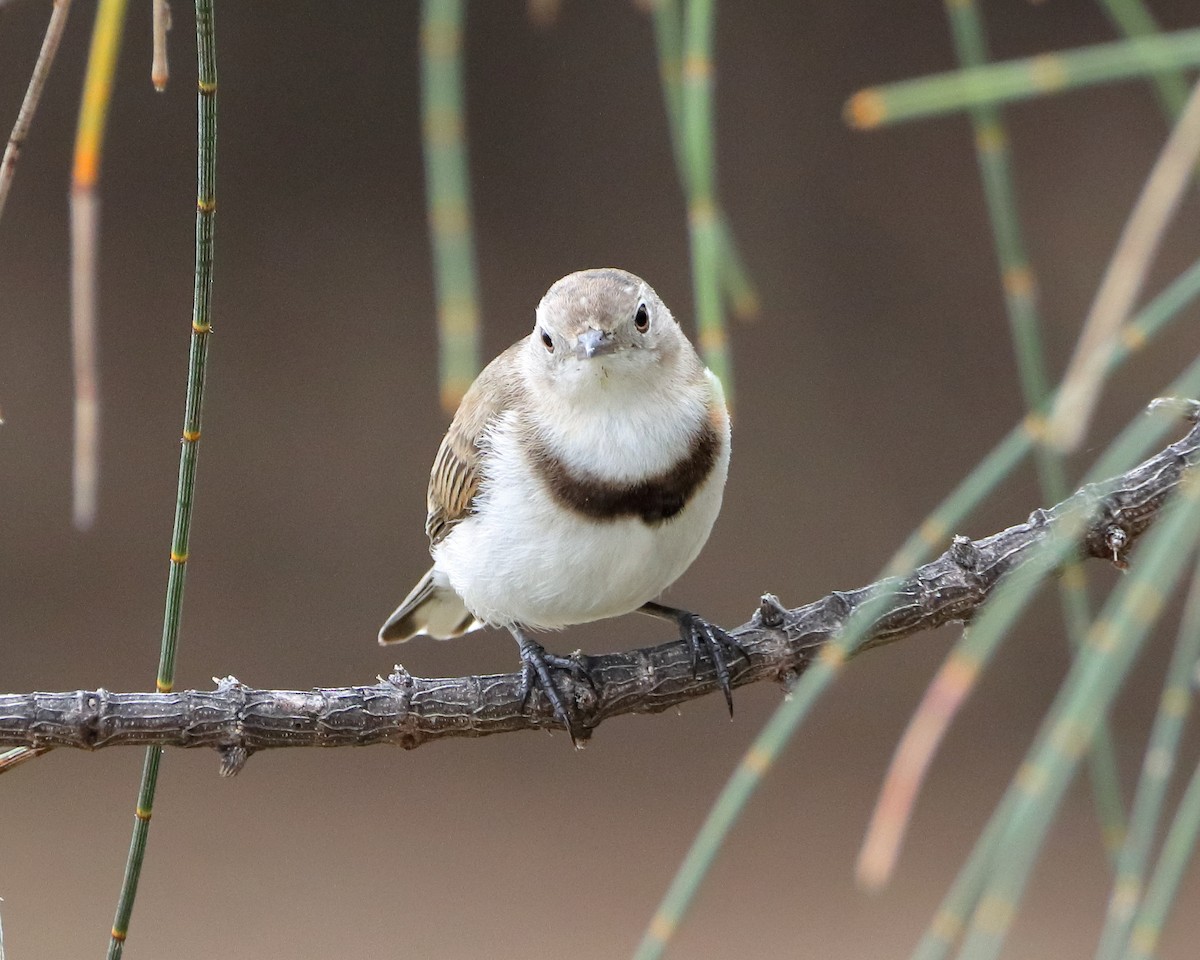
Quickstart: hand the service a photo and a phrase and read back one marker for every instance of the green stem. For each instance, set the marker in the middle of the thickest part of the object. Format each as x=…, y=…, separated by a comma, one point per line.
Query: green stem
x=699, y=153
x=1134, y=19
x=1157, y=767
x=1177, y=852
x=206, y=157
x=1020, y=298
x=1010, y=598
x=919, y=546
x=1094, y=680
x=448, y=196
x=1022, y=79
x=668, y=38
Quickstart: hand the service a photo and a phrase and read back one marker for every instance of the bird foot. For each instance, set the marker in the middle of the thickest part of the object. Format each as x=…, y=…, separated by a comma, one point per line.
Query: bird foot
x=704, y=638
x=536, y=666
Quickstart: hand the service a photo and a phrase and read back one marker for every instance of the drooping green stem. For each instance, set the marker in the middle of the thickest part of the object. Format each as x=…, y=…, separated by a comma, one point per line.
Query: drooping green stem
x=699, y=150
x=1096, y=676
x=1020, y=299
x=448, y=196
x=206, y=205
x=1177, y=852
x=1134, y=19
x=668, y=38
x=1022, y=79
x=967, y=893
x=929, y=535
x=1157, y=766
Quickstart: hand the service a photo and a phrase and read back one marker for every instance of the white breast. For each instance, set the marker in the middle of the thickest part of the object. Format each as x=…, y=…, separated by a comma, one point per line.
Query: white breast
x=522, y=557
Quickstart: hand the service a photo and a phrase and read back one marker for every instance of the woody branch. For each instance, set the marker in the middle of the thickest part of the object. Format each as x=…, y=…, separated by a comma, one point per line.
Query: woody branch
x=407, y=711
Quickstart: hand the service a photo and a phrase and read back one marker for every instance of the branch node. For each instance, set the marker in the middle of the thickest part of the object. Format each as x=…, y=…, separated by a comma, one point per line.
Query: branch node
x=227, y=684
x=1117, y=542
x=399, y=678
x=840, y=605
x=964, y=552
x=1039, y=518
x=771, y=614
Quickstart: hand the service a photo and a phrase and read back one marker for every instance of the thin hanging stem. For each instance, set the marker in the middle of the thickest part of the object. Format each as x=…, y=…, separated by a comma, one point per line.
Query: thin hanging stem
x=1096, y=676
x=1157, y=766
x=33, y=94
x=1134, y=19
x=957, y=677
x=448, y=196
x=929, y=535
x=668, y=39
x=85, y=233
x=1177, y=852
x=699, y=150
x=206, y=205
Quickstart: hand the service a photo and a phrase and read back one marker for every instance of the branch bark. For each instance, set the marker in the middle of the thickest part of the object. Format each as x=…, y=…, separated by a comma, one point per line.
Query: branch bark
x=409, y=711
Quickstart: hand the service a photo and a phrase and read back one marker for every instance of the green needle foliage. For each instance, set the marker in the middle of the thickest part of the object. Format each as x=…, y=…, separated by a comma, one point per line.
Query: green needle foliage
x=929, y=535
x=1023, y=79
x=448, y=196
x=1094, y=680
x=1134, y=19
x=668, y=38
x=1007, y=602
x=1020, y=300
x=1164, y=884
x=206, y=205
x=1157, y=767
x=699, y=153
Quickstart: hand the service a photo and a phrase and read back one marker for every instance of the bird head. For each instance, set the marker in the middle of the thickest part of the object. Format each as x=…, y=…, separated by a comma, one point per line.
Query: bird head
x=605, y=329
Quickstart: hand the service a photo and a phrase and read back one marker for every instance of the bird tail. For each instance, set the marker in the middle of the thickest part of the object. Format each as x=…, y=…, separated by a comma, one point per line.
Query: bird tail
x=433, y=609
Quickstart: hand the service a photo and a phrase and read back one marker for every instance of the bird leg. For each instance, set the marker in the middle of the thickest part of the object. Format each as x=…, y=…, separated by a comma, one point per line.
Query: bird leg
x=702, y=637
x=536, y=664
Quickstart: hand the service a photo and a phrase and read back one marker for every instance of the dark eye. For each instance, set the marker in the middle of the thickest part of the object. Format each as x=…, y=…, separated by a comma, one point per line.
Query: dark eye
x=548, y=341
x=641, y=319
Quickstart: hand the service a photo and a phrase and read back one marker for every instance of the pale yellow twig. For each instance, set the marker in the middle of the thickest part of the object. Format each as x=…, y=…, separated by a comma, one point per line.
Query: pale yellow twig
x=1124, y=277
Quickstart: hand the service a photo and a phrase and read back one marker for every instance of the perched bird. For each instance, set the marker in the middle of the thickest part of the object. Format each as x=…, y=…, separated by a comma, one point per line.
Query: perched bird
x=579, y=479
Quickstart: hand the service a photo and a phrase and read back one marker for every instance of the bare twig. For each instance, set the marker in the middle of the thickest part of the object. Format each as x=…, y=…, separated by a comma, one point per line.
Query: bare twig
x=33, y=94
x=409, y=711
x=161, y=23
x=1124, y=277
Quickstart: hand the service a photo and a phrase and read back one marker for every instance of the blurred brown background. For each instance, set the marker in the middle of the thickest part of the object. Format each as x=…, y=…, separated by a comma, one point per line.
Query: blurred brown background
x=878, y=374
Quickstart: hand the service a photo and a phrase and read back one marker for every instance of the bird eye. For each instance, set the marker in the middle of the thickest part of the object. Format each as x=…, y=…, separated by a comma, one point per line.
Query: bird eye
x=548, y=341
x=641, y=319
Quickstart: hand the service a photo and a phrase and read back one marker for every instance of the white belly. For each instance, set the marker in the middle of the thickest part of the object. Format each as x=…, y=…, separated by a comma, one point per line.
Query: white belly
x=524, y=558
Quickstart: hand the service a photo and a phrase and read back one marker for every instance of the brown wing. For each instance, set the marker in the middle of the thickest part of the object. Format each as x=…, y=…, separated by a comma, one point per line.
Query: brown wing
x=456, y=473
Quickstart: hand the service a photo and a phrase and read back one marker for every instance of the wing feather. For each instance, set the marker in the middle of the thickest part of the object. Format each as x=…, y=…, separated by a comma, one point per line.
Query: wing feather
x=454, y=481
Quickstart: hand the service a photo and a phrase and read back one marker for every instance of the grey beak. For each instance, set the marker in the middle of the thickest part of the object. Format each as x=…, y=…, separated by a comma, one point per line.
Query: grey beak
x=592, y=343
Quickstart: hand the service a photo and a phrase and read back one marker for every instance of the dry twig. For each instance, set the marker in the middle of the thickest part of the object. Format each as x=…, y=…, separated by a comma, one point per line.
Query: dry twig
x=409, y=711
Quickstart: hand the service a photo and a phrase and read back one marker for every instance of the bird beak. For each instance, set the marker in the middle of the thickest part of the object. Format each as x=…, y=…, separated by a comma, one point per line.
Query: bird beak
x=592, y=343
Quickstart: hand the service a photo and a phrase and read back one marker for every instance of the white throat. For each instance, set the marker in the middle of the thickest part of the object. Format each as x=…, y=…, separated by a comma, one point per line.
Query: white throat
x=620, y=420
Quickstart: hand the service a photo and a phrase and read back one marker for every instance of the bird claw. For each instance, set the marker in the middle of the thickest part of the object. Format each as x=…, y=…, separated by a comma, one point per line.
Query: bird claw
x=536, y=666
x=704, y=637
